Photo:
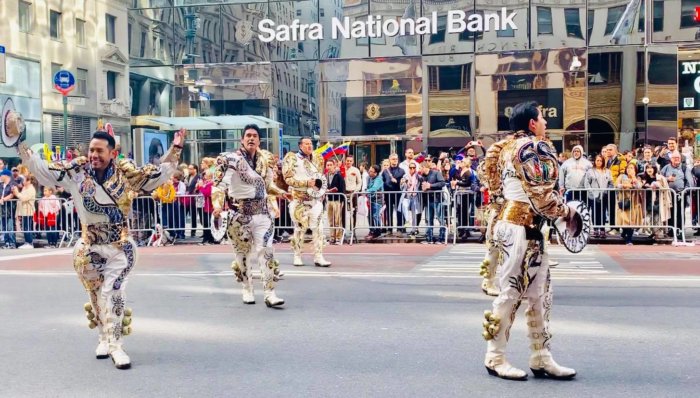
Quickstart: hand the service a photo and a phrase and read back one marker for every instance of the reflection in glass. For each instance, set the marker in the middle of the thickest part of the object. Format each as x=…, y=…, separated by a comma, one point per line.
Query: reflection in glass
x=675, y=20
x=340, y=47
x=240, y=42
x=151, y=37
x=544, y=21
x=449, y=103
x=608, y=23
x=449, y=43
x=284, y=13
x=198, y=34
x=501, y=40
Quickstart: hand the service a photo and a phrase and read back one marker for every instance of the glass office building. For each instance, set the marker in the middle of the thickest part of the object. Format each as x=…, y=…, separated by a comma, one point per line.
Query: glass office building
x=602, y=71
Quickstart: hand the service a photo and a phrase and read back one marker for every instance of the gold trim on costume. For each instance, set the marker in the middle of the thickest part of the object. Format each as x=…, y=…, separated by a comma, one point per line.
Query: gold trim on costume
x=518, y=213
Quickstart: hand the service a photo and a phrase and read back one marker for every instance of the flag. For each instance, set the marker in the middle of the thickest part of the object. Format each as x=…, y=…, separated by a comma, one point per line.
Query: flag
x=325, y=151
x=343, y=148
x=625, y=25
x=421, y=157
x=408, y=44
x=322, y=148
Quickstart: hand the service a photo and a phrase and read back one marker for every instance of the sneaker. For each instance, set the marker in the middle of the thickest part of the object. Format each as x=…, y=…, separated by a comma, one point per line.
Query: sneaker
x=26, y=246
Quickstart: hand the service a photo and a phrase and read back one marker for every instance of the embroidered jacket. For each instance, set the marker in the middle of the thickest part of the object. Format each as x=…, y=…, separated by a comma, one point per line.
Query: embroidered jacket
x=109, y=201
x=240, y=177
x=528, y=170
x=297, y=169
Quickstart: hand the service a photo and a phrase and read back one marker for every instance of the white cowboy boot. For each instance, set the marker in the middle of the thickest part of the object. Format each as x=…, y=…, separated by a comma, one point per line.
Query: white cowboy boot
x=298, y=262
x=319, y=261
x=248, y=294
x=496, y=332
x=271, y=299
x=541, y=362
x=488, y=286
x=102, y=350
x=119, y=357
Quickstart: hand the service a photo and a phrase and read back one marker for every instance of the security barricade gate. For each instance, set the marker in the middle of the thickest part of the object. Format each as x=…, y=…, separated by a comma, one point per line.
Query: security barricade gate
x=171, y=221
x=143, y=220
x=52, y=221
x=336, y=216
x=651, y=211
x=420, y=210
x=691, y=210
x=468, y=215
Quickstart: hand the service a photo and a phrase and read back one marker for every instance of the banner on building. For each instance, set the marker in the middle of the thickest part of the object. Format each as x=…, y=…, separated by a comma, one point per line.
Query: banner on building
x=689, y=86
x=551, y=103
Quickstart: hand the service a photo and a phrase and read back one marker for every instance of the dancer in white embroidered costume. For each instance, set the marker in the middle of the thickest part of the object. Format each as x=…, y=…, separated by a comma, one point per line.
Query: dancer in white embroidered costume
x=103, y=187
x=526, y=170
x=244, y=179
x=303, y=172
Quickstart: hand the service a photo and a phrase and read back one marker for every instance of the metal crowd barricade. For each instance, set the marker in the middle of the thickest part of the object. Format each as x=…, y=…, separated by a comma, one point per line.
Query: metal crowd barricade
x=691, y=200
x=143, y=220
x=177, y=218
x=381, y=213
x=335, y=218
x=12, y=228
x=649, y=210
x=468, y=202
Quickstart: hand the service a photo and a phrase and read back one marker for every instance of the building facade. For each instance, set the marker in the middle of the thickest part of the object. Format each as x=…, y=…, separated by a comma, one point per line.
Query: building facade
x=602, y=72
x=87, y=38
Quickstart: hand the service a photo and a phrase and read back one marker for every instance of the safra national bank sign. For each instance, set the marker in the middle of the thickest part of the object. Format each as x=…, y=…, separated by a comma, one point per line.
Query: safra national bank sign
x=376, y=26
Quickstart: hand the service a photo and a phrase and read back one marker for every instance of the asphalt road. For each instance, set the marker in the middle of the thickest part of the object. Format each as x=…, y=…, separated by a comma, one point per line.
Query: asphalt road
x=384, y=321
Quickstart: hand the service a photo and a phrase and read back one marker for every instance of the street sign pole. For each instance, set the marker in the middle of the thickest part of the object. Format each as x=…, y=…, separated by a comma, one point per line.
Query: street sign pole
x=65, y=123
x=64, y=83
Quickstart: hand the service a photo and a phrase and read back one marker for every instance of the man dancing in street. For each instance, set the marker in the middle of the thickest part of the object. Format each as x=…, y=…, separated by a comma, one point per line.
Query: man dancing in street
x=528, y=170
x=103, y=188
x=303, y=172
x=245, y=179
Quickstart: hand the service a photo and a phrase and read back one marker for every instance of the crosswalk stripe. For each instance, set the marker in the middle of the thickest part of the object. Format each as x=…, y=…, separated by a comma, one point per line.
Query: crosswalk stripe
x=467, y=261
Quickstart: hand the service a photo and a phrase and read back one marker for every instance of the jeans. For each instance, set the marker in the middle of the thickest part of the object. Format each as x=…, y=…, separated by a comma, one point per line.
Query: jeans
x=52, y=237
x=8, y=225
x=375, y=219
x=168, y=216
x=392, y=204
x=598, y=209
x=28, y=225
x=434, y=209
x=180, y=220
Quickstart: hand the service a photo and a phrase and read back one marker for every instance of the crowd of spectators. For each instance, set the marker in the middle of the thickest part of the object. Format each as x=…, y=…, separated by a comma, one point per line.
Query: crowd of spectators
x=418, y=197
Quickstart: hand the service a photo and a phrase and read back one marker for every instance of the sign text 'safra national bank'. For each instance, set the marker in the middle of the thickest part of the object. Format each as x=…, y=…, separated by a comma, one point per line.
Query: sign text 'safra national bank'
x=376, y=26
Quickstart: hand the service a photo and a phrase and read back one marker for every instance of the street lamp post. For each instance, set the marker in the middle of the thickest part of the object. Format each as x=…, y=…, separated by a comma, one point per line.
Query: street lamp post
x=645, y=101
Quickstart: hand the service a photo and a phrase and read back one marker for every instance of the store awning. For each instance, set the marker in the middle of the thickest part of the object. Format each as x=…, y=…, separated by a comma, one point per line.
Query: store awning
x=202, y=122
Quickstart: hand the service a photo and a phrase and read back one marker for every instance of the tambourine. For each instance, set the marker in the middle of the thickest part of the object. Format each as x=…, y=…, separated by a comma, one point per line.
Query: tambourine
x=219, y=226
x=577, y=240
x=318, y=193
x=12, y=125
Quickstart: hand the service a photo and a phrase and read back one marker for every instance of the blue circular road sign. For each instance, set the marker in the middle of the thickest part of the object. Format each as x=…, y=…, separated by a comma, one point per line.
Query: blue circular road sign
x=63, y=79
